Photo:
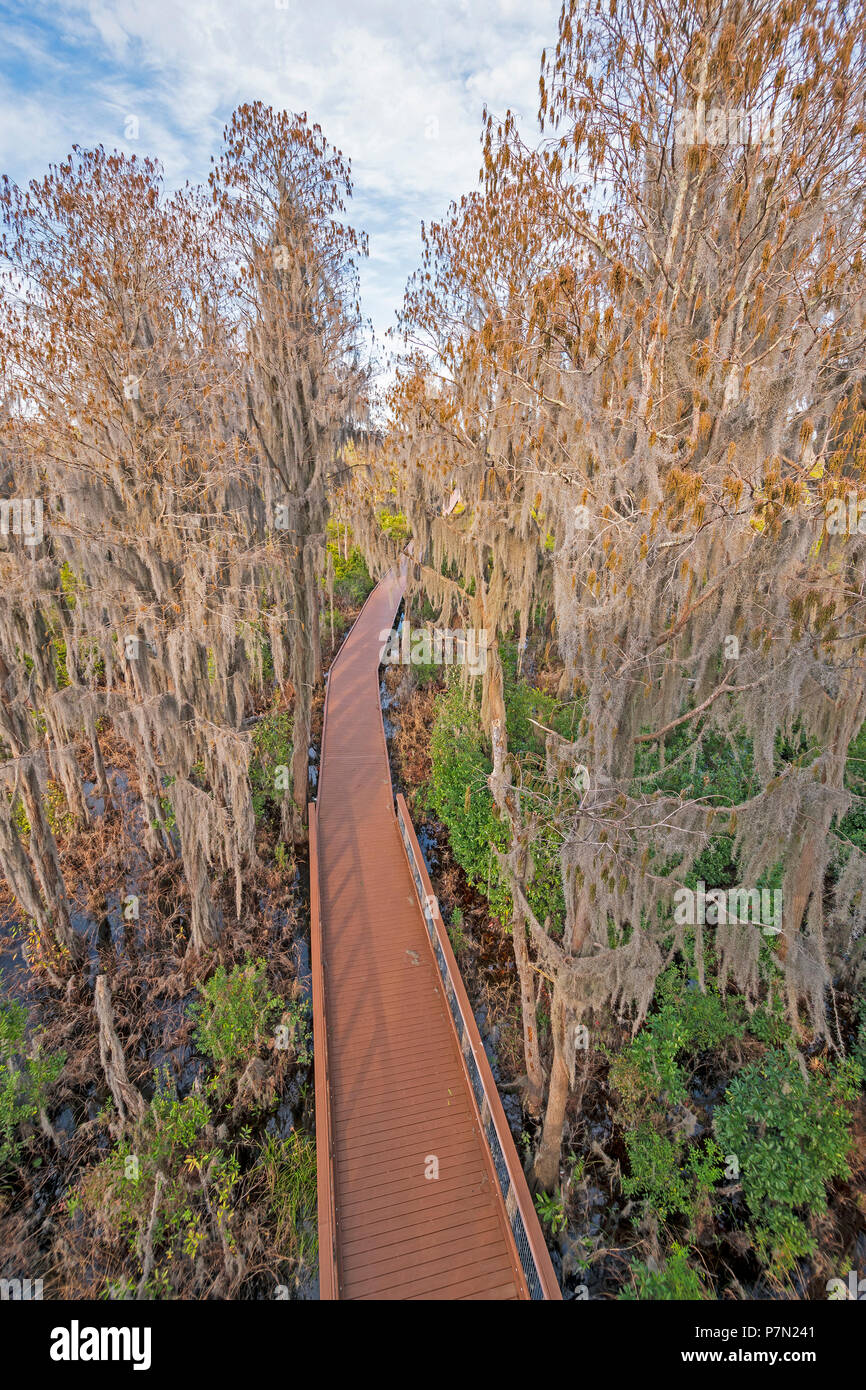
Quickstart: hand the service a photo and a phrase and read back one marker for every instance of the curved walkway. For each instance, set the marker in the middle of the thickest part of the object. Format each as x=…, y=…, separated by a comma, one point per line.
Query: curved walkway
x=417, y=1189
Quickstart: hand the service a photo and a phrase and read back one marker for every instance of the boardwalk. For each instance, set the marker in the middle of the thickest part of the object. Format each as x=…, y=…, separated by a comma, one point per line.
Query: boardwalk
x=395, y=1097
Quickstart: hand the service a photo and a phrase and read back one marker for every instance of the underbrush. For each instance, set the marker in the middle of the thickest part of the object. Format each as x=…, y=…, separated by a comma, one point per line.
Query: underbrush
x=202, y=1196
x=713, y=1153
x=212, y=1192
x=26, y=1077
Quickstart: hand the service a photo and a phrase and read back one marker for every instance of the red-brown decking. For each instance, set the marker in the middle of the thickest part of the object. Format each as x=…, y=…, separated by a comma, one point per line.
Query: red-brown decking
x=393, y=1094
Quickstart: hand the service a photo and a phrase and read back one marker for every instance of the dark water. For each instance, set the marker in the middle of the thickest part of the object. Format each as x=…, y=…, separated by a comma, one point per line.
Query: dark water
x=429, y=849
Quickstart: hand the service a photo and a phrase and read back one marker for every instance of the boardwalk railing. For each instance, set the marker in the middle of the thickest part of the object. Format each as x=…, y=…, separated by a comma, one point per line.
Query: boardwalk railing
x=531, y=1249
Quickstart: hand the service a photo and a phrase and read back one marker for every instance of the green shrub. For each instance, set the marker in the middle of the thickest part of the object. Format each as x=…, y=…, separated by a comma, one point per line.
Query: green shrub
x=458, y=795
x=340, y=622
x=235, y=1013
x=267, y=653
x=706, y=1019
x=395, y=525
x=853, y=824
x=56, y=809
x=58, y=657
x=524, y=703
x=299, y=1013
x=551, y=1209
x=668, y=1171
x=678, y=1280
x=686, y=1021
x=457, y=936
x=25, y=1078
x=768, y=1022
x=670, y=1174
x=790, y=1137
x=272, y=748
x=352, y=582
x=287, y=1169
x=169, y=1145
x=166, y=807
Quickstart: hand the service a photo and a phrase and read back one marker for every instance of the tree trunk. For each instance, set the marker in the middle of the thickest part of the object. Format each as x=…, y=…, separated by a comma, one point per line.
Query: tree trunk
x=99, y=774
x=129, y=1101
x=43, y=851
x=546, y=1168
x=315, y=635
x=531, y=1051
x=191, y=810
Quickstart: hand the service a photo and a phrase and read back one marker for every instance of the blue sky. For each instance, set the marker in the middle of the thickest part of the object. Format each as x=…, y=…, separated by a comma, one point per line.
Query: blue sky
x=398, y=86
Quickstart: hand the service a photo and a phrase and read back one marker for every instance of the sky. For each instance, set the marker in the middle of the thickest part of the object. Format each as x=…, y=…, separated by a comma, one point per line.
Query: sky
x=398, y=85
